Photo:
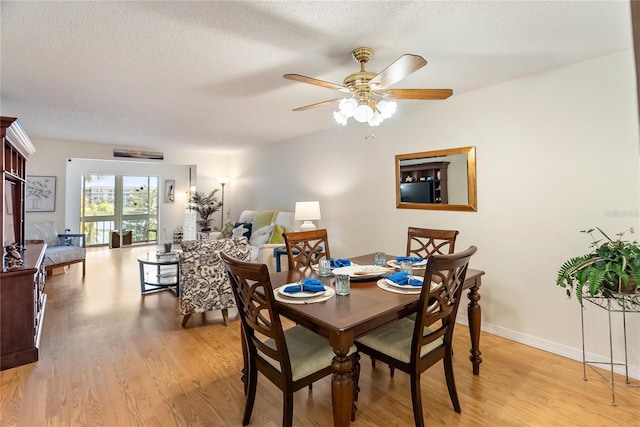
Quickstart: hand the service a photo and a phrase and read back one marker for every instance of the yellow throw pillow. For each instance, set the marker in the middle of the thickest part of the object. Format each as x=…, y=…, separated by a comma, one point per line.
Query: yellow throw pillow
x=276, y=236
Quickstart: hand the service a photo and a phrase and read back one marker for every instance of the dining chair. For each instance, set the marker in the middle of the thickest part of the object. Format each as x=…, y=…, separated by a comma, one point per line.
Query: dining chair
x=413, y=346
x=305, y=248
x=291, y=359
x=424, y=242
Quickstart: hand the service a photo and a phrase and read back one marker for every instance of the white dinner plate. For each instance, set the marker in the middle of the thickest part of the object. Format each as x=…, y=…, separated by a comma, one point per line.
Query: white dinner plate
x=301, y=294
x=395, y=264
x=384, y=284
x=370, y=270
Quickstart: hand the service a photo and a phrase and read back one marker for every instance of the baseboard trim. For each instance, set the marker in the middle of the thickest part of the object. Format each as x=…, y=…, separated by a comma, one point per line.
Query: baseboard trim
x=552, y=347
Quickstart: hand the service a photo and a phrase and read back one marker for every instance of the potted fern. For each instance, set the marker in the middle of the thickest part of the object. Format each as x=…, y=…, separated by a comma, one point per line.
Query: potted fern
x=612, y=267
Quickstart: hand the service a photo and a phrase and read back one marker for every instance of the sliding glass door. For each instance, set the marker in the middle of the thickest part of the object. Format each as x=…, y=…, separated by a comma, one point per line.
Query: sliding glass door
x=119, y=203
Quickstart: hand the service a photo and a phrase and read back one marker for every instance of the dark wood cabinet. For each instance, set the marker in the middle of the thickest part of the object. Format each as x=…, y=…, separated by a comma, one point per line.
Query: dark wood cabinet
x=424, y=182
x=17, y=148
x=22, y=297
x=22, y=304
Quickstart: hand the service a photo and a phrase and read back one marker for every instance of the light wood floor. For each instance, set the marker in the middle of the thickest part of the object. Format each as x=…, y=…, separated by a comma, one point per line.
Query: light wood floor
x=111, y=357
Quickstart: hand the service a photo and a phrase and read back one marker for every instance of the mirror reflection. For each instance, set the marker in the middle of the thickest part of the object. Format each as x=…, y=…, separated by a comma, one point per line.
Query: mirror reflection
x=438, y=180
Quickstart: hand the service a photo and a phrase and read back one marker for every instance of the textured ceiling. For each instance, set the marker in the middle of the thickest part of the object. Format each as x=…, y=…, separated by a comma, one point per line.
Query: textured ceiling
x=208, y=75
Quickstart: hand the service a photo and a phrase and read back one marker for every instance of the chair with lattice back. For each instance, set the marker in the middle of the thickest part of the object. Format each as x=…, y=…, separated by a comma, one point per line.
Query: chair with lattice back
x=414, y=345
x=306, y=248
x=424, y=242
x=291, y=358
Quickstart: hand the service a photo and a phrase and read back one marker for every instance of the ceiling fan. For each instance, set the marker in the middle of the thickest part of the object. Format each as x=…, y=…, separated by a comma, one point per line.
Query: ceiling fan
x=369, y=92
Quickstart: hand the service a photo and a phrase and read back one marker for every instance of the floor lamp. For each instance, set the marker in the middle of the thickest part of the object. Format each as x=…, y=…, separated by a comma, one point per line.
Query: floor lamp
x=222, y=180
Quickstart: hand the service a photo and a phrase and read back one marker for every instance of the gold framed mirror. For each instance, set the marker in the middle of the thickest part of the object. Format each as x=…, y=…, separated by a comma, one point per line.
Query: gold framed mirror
x=442, y=180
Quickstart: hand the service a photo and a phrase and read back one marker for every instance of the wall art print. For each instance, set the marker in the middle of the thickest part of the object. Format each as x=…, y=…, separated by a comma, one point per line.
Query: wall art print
x=41, y=194
x=169, y=190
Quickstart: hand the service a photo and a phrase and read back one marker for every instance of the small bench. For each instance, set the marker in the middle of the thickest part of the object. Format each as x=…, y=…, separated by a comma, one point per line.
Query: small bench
x=62, y=249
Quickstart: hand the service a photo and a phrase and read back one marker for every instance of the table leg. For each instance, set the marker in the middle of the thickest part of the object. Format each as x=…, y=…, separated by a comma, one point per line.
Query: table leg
x=475, y=318
x=342, y=382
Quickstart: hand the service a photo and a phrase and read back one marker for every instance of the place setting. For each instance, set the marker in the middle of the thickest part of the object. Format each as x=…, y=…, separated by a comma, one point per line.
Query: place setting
x=402, y=282
x=343, y=266
x=307, y=291
x=324, y=267
x=416, y=262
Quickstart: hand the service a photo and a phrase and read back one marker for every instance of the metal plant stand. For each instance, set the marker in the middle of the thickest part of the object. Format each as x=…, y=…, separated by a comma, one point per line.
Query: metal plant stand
x=619, y=303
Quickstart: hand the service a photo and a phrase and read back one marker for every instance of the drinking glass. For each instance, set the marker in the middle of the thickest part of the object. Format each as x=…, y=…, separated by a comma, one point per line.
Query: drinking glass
x=324, y=267
x=167, y=247
x=380, y=259
x=407, y=266
x=343, y=284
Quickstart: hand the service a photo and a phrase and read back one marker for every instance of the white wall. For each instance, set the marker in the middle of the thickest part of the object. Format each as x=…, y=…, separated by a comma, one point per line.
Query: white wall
x=557, y=152
x=52, y=159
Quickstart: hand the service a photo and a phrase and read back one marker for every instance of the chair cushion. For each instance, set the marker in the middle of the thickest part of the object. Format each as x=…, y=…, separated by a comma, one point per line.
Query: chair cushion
x=45, y=231
x=308, y=352
x=394, y=339
x=63, y=254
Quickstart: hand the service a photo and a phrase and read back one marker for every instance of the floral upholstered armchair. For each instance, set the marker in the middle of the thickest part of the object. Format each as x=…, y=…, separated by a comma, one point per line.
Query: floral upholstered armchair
x=204, y=283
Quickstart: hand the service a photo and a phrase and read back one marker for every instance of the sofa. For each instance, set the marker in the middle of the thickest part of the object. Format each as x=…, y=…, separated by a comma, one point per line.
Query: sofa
x=62, y=249
x=264, y=230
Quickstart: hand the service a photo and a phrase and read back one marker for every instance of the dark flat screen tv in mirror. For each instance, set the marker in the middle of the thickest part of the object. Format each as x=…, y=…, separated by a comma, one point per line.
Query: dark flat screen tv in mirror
x=416, y=192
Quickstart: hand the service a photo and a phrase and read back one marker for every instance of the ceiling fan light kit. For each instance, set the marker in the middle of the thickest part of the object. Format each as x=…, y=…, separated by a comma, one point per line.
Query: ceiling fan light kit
x=369, y=92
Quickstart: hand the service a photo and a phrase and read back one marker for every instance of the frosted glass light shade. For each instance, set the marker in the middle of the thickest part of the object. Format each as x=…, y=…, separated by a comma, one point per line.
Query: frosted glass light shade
x=387, y=108
x=363, y=113
x=348, y=106
x=340, y=118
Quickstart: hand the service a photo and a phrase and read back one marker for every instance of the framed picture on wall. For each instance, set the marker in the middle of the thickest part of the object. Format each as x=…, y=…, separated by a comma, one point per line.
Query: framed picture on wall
x=169, y=190
x=41, y=194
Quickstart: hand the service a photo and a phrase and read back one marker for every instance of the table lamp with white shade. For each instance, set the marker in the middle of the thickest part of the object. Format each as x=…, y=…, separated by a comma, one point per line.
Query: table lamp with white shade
x=307, y=212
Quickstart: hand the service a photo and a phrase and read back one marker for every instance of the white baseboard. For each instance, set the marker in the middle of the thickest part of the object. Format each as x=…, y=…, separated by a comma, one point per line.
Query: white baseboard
x=552, y=347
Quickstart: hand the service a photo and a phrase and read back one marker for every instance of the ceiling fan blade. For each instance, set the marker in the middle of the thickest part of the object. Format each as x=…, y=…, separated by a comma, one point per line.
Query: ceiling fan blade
x=319, y=104
x=398, y=70
x=312, y=81
x=417, y=93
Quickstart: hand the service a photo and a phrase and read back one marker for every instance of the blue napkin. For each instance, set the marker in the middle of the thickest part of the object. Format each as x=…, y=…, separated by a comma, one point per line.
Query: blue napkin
x=402, y=278
x=408, y=258
x=336, y=263
x=309, y=284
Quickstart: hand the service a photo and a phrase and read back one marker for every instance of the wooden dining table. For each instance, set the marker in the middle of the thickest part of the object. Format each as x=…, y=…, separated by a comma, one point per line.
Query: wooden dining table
x=343, y=319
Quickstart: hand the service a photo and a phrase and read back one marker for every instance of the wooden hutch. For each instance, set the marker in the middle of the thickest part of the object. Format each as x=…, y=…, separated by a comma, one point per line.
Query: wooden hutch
x=22, y=297
x=434, y=173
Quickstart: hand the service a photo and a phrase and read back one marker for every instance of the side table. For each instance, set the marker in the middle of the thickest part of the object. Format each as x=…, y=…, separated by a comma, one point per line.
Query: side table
x=277, y=253
x=159, y=272
x=621, y=303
